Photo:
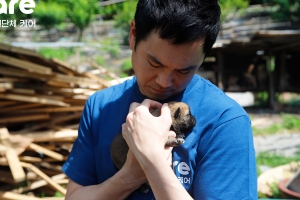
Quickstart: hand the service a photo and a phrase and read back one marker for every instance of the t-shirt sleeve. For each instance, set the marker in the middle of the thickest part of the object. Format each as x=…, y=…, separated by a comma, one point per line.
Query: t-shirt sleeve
x=227, y=169
x=80, y=165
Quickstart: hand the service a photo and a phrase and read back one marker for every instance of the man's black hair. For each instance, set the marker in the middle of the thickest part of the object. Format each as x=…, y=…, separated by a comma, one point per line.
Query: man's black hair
x=180, y=21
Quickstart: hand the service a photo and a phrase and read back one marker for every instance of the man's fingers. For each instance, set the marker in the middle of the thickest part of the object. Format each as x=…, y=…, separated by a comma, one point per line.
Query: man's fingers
x=133, y=106
x=172, y=134
x=151, y=104
x=165, y=111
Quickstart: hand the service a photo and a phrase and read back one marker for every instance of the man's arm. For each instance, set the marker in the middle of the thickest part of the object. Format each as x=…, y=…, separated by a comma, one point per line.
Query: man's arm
x=146, y=137
x=119, y=186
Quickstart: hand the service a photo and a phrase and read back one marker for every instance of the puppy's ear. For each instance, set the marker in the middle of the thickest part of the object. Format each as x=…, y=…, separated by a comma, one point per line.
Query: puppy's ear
x=176, y=113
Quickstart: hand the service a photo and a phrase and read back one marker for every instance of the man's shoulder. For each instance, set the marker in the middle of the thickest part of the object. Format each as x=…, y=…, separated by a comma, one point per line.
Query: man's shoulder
x=116, y=90
x=209, y=99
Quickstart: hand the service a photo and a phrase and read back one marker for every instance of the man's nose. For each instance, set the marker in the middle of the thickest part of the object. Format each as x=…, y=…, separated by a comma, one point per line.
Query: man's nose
x=165, y=78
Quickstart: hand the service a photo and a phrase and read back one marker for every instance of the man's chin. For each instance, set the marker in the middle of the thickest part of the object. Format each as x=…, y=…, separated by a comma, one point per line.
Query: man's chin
x=158, y=97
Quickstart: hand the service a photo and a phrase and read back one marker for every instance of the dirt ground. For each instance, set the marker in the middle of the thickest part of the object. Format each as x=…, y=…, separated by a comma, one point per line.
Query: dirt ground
x=263, y=118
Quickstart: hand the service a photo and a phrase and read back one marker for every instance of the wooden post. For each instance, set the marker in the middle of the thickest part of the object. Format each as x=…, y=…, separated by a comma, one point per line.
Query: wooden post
x=12, y=157
x=220, y=61
x=282, y=85
x=271, y=68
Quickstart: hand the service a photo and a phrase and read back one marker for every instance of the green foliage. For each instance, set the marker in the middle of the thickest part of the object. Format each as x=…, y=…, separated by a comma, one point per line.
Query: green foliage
x=286, y=10
x=49, y=14
x=59, y=53
x=81, y=12
x=108, y=12
x=267, y=131
x=275, y=159
x=123, y=14
x=289, y=124
x=261, y=98
x=231, y=7
x=100, y=60
x=111, y=46
x=274, y=190
x=271, y=63
x=126, y=14
x=293, y=101
x=58, y=194
x=126, y=68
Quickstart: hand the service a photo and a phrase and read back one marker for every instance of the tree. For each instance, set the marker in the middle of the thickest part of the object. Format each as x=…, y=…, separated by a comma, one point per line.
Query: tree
x=124, y=17
x=231, y=6
x=81, y=13
x=286, y=10
x=49, y=14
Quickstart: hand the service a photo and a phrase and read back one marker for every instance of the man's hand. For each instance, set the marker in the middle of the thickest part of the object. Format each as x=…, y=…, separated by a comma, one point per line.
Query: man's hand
x=145, y=134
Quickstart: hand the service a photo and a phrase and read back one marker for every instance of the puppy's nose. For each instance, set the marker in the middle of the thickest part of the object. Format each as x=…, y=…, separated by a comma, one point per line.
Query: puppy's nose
x=193, y=120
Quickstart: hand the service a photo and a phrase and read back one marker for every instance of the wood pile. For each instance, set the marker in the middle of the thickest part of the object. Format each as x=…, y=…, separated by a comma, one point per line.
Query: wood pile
x=41, y=101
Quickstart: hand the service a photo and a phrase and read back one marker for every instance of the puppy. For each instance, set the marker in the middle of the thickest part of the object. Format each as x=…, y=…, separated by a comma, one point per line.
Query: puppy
x=182, y=122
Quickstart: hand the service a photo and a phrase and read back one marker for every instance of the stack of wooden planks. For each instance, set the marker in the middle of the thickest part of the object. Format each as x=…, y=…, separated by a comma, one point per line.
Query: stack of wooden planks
x=41, y=101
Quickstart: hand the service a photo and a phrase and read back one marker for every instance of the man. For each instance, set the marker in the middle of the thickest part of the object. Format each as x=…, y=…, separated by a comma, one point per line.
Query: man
x=169, y=40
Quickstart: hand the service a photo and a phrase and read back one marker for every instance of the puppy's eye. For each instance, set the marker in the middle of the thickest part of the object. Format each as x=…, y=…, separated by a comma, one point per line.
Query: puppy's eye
x=177, y=112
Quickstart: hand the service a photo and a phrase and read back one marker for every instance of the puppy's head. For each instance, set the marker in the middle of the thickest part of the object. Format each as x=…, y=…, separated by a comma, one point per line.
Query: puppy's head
x=182, y=119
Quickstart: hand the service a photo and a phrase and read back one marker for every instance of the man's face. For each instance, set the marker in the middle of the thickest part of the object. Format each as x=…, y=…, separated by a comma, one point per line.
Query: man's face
x=161, y=68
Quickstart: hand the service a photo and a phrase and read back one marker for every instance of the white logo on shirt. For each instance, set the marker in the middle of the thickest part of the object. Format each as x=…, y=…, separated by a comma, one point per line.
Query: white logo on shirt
x=183, y=169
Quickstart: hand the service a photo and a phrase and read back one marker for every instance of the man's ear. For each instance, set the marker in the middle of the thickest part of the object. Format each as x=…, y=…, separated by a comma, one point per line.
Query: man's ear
x=132, y=35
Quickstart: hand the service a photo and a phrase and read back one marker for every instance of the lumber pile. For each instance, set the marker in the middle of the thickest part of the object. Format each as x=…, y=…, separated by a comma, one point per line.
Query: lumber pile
x=41, y=101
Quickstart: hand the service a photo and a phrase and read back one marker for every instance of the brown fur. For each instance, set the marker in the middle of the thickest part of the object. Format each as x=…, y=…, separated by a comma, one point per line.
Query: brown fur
x=182, y=123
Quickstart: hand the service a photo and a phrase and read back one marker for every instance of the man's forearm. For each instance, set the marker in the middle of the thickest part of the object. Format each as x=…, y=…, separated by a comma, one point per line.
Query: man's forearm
x=113, y=188
x=163, y=182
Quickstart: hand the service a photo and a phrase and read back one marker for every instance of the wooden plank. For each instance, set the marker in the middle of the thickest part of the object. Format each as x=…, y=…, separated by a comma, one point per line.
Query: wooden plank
x=59, y=84
x=20, y=107
x=74, y=79
x=12, y=80
x=103, y=70
x=15, y=196
x=14, y=165
x=24, y=118
x=23, y=98
x=50, y=135
x=19, y=143
x=6, y=85
x=12, y=157
x=65, y=71
x=58, y=119
x=30, y=159
x=41, y=183
x=47, y=165
x=99, y=80
x=66, y=66
x=20, y=50
x=52, y=110
x=22, y=73
x=7, y=103
x=31, y=67
x=6, y=176
x=52, y=183
x=22, y=91
x=47, y=152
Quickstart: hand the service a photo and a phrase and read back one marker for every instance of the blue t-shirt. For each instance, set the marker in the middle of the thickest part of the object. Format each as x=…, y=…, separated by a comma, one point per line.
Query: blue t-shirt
x=217, y=160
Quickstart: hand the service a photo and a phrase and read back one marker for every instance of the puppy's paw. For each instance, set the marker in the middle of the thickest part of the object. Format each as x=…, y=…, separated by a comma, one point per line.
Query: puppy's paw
x=174, y=142
x=179, y=141
x=145, y=188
